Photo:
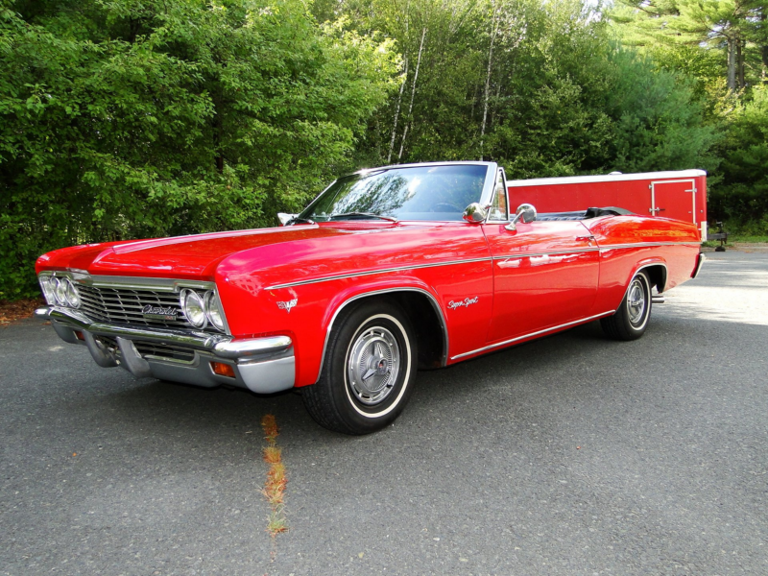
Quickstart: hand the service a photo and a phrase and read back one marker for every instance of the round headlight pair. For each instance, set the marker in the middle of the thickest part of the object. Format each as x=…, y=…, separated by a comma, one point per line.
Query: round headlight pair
x=60, y=291
x=202, y=310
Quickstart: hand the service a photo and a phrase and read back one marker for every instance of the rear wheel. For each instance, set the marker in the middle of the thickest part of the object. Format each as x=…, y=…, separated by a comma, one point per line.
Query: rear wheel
x=368, y=372
x=631, y=319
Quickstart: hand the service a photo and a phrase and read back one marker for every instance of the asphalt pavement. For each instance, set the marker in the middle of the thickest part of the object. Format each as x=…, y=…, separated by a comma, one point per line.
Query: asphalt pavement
x=570, y=455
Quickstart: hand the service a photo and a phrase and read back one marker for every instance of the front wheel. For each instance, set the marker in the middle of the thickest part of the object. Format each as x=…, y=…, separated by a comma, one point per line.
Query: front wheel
x=368, y=372
x=631, y=319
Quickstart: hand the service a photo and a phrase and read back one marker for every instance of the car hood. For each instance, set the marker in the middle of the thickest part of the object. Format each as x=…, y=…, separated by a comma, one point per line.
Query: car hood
x=286, y=252
x=185, y=257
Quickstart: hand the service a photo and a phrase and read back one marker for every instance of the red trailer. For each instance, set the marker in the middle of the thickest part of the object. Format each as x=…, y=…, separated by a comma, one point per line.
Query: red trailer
x=681, y=195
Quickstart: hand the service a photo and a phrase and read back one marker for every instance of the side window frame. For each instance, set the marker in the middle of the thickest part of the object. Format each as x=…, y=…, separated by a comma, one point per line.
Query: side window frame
x=500, y=178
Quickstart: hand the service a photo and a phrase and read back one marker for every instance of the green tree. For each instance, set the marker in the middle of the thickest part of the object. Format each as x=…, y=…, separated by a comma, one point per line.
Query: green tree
x=743, y=198
x=127, y=118
x=685, y=30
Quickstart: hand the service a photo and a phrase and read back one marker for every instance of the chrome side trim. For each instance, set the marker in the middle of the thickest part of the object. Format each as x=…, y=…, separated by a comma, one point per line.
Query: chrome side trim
x=539, y=254
x=432, y=300
x=472, y=260
x=647, y=245
x=379, y=271
x=531, y=335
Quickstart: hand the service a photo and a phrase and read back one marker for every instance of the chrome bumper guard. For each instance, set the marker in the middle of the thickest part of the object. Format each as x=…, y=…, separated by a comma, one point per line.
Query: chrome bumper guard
x=263, y=365
x=699, y=263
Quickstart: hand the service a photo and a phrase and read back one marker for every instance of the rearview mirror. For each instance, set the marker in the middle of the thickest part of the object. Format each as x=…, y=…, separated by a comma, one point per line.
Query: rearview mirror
x=475, y=213
x=525, y=213
x=285, y=218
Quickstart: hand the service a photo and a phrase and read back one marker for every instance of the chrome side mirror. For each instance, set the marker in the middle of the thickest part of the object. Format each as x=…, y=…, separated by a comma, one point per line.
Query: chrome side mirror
x=525, y=213
x=285, y=218
x=475, y=213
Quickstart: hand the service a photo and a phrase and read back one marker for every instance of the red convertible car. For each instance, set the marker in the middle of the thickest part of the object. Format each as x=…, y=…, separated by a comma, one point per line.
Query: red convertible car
x=387, y=271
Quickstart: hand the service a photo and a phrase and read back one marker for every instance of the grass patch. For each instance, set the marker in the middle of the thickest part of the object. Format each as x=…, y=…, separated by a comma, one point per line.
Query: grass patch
x=747, y=239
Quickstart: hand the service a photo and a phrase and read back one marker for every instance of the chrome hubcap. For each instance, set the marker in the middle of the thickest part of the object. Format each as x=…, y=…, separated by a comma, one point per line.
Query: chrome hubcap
x=636, y=302
x=373, y=366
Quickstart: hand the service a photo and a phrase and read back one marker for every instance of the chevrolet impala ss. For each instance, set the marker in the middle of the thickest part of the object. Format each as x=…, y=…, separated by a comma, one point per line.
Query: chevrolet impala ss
x=387, y=271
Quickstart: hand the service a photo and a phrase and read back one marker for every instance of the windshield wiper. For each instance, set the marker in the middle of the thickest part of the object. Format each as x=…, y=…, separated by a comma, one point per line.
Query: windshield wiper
x=298, y=220
x=360, y=215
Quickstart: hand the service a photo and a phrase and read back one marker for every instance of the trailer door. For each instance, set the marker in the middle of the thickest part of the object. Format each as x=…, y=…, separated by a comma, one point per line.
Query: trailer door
x=674, y=199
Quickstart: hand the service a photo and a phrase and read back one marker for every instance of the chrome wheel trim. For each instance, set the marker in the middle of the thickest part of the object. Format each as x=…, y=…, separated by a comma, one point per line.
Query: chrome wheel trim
x=373, y=364
x=404, y=362
x=637, y=302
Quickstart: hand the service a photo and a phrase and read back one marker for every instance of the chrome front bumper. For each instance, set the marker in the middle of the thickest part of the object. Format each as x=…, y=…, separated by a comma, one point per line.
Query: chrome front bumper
x=262, y=365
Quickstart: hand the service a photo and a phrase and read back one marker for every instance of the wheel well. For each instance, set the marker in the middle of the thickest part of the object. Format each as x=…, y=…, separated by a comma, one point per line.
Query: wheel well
x=426, y=323
x=657, y=275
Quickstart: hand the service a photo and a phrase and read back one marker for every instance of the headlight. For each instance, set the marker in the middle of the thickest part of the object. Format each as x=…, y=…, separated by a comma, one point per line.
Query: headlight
x=60, y=291
x=48, y=289
x=72, y=295
x=194, y=308
x=213, y=311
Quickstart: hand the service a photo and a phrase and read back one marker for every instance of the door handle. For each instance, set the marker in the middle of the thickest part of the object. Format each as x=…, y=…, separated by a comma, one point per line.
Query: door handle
x=585, y=238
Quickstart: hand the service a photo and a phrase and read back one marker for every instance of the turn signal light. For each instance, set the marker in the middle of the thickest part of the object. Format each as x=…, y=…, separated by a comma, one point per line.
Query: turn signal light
x=79, y=335
x=223, y=369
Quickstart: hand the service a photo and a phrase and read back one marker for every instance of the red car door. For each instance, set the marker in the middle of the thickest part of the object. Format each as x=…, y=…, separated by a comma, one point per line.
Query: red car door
x=545, y=275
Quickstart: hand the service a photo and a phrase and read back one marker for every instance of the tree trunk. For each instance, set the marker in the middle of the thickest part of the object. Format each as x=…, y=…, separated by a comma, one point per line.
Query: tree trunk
x=413, y=93
x=397, y=112
x=764, y=72
x=218, y=138
x=402, y=86
x=488, y=82
x=731, y=64
x=740, y=82
x=764, y=49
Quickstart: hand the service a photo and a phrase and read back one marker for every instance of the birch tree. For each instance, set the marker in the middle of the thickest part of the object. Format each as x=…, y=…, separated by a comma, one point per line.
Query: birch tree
x=413, y=92
x=494, y=27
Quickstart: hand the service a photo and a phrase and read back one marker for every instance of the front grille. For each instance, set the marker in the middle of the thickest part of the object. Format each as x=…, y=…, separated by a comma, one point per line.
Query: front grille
x=153, y=349
x=125, y=305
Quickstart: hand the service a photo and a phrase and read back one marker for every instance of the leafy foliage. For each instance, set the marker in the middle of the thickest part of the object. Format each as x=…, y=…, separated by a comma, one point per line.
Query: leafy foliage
x=722, y=46
x=136, y=118
x=126, y=119
x=744, y=200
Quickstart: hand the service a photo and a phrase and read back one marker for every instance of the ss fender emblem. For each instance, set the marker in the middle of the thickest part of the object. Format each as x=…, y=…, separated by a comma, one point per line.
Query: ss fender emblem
x=288, y=305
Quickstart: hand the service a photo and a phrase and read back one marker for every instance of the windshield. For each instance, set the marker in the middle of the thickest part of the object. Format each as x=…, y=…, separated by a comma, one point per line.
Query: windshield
x=418, y=193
